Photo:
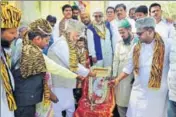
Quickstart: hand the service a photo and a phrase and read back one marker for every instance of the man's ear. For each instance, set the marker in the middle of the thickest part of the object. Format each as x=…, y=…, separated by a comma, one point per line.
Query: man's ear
x=149, y=13
x=37, y=38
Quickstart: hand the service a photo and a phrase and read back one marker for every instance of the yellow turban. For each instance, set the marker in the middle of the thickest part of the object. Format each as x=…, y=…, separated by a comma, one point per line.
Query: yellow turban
x=10, y=16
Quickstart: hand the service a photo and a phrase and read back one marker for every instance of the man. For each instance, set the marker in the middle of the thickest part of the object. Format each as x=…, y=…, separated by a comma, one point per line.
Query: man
x=123, y=90
x=59, y=27
x=171, y=112
x=110, y=14
x=76, y=12
x=100, y=41
x=52, y=21
x=9, y=25
x=63, y=52
x=22, y=31
x=165, y=29
x=85, y=18
x=121, y=13
x=149, y=60
x=29, y=70
x=17, y=42
x=132, y=13
x=141, y=11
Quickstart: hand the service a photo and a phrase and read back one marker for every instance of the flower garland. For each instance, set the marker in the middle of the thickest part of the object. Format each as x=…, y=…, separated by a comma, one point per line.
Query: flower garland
x=73, y=57
x=100, y=33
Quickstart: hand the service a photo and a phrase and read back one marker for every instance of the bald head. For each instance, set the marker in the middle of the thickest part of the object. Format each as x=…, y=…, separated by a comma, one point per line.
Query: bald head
x=85, y=18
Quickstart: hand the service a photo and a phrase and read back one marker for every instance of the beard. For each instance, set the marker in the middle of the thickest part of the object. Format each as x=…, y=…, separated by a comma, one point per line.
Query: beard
x=128, y=40
x=5, y=43
x=75, y=17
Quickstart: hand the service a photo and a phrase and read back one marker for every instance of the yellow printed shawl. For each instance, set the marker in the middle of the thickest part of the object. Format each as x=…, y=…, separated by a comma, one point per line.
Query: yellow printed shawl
x=101, y=34
x=73, y=54
x=10, y=16
x=32, y=60
x=157, y=62
x=61, y=27
x=6, y=83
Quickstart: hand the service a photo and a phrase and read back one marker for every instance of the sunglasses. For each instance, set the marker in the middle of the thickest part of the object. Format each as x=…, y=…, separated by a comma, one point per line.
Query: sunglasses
x=140, y=33
x=96, y=16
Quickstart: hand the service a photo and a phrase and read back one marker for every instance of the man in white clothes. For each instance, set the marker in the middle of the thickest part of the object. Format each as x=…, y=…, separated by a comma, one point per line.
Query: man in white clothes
x=121, y=13
x=149, y=60
x=59, y=26
x=172, y=82
x=64, y=53
x=163, y=27
x=100, y=39
x=123, y=90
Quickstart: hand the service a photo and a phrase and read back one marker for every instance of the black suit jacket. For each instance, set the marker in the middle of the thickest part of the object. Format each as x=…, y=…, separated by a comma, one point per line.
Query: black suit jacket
x=28, y=91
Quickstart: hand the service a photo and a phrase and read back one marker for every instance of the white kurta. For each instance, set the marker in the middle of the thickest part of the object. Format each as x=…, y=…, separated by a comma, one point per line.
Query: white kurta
x=165, y=29
x=5, y=112
x=105, y=46
x=172, y=73
x=63, y=88
x=146, y=102
x=123, y=90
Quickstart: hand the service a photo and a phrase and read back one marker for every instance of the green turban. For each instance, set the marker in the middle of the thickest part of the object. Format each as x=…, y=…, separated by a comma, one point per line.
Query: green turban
x=124, y=24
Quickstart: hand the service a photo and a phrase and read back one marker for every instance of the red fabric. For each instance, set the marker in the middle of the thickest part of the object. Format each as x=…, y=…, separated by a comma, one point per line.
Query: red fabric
x=100, y=110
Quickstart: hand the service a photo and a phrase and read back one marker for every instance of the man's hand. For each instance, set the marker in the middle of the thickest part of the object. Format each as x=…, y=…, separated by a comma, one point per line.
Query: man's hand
x=169, y=20
x=53, y=97
x=80, y=78
x=94, y=59
x=92, y=74
x=113, y=83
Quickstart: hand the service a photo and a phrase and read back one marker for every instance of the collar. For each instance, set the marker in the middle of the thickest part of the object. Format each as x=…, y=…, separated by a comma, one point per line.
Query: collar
x=94, y=22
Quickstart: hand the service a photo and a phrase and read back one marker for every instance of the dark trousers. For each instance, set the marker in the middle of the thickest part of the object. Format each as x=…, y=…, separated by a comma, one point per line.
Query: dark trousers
x=25, y=111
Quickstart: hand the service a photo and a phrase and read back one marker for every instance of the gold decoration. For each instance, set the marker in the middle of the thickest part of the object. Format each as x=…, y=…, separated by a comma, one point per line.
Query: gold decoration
x=10, y=16
x=8, y=89
x=157, y=62
x=101, y=34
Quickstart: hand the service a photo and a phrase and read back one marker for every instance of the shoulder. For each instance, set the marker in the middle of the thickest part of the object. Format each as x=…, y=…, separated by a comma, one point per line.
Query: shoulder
x=58, y=44
x=169, y=24
x=131, y=20
x=168, y=43
x=119, y=43
x=90, y=26
x=113, y=21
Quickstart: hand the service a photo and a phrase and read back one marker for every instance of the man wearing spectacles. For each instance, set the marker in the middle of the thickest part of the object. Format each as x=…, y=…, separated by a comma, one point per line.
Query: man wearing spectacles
x=149, y=60
x=100, y=41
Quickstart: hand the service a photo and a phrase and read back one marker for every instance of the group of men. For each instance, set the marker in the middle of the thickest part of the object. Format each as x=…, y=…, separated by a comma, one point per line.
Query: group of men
x=139, y=49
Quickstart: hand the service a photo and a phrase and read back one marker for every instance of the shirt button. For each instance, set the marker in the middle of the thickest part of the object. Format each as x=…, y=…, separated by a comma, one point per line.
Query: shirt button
x=32, y=96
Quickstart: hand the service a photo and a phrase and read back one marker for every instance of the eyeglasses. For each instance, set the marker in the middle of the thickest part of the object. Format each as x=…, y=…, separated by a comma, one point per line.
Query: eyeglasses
x=96, y=16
